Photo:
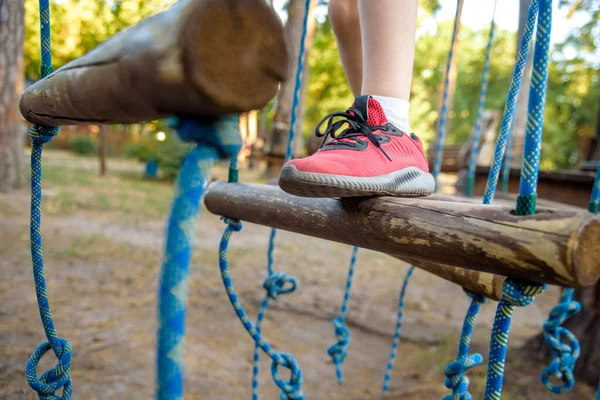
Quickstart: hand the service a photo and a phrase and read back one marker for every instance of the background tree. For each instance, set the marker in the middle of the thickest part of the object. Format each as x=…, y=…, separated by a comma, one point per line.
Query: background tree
x=12, y=127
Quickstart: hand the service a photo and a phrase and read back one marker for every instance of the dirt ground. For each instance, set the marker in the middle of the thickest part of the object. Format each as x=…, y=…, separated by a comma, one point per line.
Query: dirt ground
x=103, y=241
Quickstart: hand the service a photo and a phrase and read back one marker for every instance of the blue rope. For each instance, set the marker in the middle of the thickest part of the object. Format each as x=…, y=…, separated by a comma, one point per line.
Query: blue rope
x=58, y=377
x=508, y=160
x=455, y=371
x=290, y=389
x=509, y=109
x=339, y=350
x=514, y=294
x=564, y=346
x=441, y=129
x=595, y=197
x=276, y=282
x=535, y=118
x=481, y=106
x=396, y=341
x=214, y=140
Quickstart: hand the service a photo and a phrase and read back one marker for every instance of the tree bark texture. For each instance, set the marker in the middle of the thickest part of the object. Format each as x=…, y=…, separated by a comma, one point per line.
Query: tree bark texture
x=12, y=127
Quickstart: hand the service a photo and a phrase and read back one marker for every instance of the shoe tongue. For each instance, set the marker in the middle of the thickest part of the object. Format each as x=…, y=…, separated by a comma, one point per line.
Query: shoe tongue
x=371, y=110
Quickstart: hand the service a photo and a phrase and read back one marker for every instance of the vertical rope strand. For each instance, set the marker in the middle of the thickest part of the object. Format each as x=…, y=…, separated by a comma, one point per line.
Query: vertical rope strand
x=526, y=200
x=339, y=350
x=396, y=340
x=482, y=97
x=275, y=283
x=441, y=130
x=58, y=377
x=509, y=109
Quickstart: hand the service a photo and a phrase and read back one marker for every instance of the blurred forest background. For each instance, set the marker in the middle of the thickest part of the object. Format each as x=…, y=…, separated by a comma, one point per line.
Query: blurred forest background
x=573, y=93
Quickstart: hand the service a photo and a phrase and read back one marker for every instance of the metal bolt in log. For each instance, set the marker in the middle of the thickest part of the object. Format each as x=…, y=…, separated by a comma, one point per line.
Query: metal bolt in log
x=552, y=246
x=199, y=58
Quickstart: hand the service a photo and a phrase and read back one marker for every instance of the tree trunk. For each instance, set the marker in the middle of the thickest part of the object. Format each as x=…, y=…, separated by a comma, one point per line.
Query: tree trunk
x=12, y=128
x=285, y=99
x=520, y=121
x=586, y=327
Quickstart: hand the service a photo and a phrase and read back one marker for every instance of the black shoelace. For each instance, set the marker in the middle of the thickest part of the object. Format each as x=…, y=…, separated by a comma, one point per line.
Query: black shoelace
x=357, y=128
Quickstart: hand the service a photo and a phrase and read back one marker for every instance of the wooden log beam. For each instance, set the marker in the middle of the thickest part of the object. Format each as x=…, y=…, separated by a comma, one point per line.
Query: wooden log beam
x=552, y=246
x=199, y=58
x=483, y=283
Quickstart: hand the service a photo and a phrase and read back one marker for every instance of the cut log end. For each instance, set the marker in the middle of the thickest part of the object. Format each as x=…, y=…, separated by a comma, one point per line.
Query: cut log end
x=237, y=39
x=585, y=252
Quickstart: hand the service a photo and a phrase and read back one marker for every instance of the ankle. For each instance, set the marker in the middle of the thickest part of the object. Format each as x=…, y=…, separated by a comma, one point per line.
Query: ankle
x=396, y=111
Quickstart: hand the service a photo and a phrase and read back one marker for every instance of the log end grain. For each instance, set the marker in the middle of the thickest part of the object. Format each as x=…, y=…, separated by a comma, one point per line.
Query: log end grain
x=584, y=246
x=238, y=55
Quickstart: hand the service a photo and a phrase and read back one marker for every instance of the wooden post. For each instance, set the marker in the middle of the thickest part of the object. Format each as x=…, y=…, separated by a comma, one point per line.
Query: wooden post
x=552, y=246
x=199, y=58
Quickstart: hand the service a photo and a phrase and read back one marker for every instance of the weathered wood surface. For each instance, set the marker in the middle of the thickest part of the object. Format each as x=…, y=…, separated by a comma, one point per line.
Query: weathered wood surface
x=553, y=246
x=199, y=58
x=486, y=284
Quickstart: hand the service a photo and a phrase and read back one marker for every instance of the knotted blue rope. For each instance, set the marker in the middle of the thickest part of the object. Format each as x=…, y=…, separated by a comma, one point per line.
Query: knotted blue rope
x=514, y=294
x=455, y=371
x=339, y=350
x=441, y=128
x=214, y=139
x=58, y=377
x=290, y=389
x=509, y=109
x=275, y=284
x=482, y=96
x=595, y=197
x=564, y=346
x=395, y=342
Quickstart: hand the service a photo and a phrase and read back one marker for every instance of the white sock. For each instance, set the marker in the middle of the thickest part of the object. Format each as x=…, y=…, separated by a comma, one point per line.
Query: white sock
x=396, y=111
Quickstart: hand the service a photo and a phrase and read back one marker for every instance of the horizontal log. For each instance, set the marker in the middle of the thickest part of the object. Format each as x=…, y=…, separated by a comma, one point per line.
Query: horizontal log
x=483, y=283
x=199, y=58
x=552, y=246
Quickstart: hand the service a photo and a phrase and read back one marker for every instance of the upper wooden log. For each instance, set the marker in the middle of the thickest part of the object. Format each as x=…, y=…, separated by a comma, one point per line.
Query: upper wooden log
x=199, y=58
x=552, y=246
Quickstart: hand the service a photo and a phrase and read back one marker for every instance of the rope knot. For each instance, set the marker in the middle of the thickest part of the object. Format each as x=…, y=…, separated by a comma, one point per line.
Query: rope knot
x=275, y=284
x=292, y=389
x=521, y=294
x=43, y=134
x=564, y=346
x=476, y=296
x=456, y=379
x=54, y=379
x=234, y=224
x=339, y=350
x=221, y=134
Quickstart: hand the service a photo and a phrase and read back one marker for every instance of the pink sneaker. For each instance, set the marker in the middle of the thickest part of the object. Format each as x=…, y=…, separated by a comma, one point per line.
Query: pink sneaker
x=370, y=157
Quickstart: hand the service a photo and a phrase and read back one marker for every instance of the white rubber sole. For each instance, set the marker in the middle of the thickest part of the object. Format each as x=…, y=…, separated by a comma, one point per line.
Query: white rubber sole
x=408, y=182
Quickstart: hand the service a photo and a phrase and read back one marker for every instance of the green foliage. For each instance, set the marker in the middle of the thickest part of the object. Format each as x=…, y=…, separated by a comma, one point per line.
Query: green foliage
x=143, y=150
x=82, y=145
x=170, y=155
x=80, y=25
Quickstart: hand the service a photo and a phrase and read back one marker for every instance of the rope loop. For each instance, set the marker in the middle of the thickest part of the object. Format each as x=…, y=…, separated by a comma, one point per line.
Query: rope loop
x=275, y=284
x=456, y=379
x=476, y=296
x=339, y=350
x=221, y=134
x=564, y=346
x=54, y=379
x=521, y=294
x=234, y=224
x=292, y=389
x=43, y=134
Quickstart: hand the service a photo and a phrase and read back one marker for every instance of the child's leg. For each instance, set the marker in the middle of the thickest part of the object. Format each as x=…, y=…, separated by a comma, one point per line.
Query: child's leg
x=345, y=22
x=388, y=36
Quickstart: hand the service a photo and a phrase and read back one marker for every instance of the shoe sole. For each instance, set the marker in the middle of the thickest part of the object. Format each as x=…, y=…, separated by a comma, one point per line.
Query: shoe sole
x=407, y=182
